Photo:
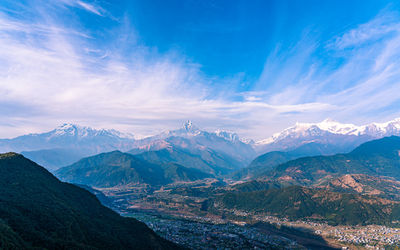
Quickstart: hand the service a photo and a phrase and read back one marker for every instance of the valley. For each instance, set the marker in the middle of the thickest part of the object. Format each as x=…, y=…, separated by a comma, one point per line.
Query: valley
x=182, y=220
x=194, y=187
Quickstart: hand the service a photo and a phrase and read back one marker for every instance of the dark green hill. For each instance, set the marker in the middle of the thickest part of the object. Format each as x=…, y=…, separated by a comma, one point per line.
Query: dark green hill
x=39, y=211
x=255, y=185
x=296, y=202
x=176, y=173
x=263, y=164
x=121, y=169
x=376, y=158
x=112, y=169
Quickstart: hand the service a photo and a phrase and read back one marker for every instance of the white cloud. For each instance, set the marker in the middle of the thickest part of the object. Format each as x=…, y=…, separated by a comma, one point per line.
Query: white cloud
x=382, y=25
x=53, y=79
x=52, y=74
x=90, y=7
x=361, y=88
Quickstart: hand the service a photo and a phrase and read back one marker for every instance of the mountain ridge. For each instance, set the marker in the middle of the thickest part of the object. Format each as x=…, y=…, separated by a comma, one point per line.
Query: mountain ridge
x=39, y=211
x=336, y=137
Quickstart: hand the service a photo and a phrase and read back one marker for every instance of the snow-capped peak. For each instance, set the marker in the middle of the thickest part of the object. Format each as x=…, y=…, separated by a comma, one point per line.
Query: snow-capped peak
x=190, y=127
x=335, y=127
x=69, y=129
x=229, y=136
x=300, y=130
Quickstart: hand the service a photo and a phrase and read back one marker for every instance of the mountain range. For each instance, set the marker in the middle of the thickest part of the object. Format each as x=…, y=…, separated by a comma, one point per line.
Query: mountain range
x=117, y=169
x=328, y=136
x=379, y=157
x=66, y=144
x=69, y=143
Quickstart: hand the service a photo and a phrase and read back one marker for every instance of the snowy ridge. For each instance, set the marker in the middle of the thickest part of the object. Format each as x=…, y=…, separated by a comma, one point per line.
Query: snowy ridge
x=300, y=130
x=69, y=129
x=229, y=136
x=188, y=129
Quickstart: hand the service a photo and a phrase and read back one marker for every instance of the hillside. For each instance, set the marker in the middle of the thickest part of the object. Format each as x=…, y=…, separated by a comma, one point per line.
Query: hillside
x=266, y=162
x=296, y=202
x=190, y=138
x=365, y=184
x=375, y=158
x=178, y=173
x=39, y=211
x=122, y=169
x=205, y=160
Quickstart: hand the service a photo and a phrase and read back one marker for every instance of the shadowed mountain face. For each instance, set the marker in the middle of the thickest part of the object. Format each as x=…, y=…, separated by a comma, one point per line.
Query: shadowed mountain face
x=122, y=169
x=39, y=211
x=219, y=148
x=205, y=160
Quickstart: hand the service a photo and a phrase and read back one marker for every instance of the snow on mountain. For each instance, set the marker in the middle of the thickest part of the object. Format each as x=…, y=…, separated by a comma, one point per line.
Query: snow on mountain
x=193, y=139
x=70, y=136
x=54, y=148
x=343, y=136
x=80, y=132
x=229, y=136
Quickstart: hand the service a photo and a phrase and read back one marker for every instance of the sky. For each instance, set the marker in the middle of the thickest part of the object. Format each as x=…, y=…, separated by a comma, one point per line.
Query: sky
x=252, y=67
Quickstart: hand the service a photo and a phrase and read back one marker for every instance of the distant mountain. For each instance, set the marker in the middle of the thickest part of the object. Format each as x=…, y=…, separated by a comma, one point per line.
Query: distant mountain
x=191, y=139
x=123, y=169
x=296, y=202
x=336, y=137
x=37, y=211
x=70, y=136
x=375, y=158
x=203, y=159
x=55, y=158
x=66, y=144
x=69, y=143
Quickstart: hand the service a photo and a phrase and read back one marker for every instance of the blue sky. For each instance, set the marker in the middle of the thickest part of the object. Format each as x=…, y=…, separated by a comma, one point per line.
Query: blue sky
x=255, y=67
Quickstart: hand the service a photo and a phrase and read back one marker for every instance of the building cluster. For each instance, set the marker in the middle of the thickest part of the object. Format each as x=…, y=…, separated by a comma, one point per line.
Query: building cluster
x=369, y=235
x=213, y=235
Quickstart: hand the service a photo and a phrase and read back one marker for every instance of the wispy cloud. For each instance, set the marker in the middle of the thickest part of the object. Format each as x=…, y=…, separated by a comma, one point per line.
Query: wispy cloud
x=52, y=73
x=54, y=80
x=90, y=7
x=381, y=26
x=361, y=87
